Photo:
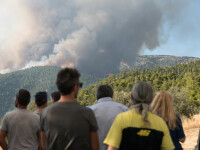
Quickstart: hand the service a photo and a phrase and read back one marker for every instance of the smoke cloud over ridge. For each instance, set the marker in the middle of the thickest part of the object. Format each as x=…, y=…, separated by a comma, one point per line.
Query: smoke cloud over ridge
x=91, y=35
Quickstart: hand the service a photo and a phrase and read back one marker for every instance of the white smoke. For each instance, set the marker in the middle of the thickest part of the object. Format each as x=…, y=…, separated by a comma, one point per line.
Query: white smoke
x=92, y=35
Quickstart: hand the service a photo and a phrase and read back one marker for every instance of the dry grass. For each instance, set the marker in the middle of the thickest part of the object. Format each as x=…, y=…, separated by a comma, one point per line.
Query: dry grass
x=194, y=122
x=191, y=129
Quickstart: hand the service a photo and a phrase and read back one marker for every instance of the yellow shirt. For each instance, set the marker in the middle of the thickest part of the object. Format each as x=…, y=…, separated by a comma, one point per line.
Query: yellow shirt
x=132, y=123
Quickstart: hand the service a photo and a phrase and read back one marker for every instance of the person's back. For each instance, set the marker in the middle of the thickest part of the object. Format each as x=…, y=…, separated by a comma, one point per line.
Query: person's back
x=72, y=133
x=22, y=126
x=162, y=105
x=66, y=124
x=105, y=111
x=139, y=128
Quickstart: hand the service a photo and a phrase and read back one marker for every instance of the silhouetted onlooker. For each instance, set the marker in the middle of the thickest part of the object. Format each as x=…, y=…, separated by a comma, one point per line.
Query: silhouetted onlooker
x=67, y=124
x=40, y=101
x=21, y=126
x=105, y=111
x=55, y=96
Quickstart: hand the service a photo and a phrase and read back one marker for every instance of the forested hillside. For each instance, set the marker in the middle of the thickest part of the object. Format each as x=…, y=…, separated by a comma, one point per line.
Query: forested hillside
x=33, y=79
x=152, y=61
x=182, y=80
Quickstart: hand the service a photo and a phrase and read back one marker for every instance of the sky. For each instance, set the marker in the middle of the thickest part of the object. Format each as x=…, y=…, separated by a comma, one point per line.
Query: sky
x=182, y=39
x=95, y=36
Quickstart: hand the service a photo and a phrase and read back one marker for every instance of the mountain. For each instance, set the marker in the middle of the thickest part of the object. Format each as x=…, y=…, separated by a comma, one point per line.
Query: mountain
x=152, y=61
x=33, y=79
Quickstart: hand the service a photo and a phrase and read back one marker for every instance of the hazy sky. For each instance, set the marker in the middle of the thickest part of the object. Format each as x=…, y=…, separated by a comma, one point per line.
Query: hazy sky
x=183, y=38
x=93, y=35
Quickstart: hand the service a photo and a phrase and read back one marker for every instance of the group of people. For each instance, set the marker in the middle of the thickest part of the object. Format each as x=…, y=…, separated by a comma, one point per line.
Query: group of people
x=151, y=123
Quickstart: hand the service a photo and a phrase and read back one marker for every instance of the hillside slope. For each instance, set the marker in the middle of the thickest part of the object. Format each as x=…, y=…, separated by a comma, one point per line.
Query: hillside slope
x=182, y=80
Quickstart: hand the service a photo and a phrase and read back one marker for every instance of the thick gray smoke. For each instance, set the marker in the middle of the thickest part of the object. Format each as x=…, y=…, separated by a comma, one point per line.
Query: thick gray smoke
x=90, y=34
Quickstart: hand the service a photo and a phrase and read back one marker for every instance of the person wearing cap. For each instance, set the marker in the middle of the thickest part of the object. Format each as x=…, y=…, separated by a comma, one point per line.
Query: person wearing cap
x=66, y=124
x=21, y=126
x=40, y=101
x=105, y=111
x=55, y=96
x=139, y=128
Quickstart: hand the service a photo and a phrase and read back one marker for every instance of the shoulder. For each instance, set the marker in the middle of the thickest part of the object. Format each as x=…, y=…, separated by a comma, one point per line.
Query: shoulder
x=124, y=107
x=10, y=113
x=125, y=114
x=156, y=118
x=32, y=115
x=86, y=109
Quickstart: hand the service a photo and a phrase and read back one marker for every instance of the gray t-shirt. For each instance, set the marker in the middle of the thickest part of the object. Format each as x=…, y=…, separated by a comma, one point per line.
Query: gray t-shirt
x=105, y=112
x=22, y=127
x=67, y=126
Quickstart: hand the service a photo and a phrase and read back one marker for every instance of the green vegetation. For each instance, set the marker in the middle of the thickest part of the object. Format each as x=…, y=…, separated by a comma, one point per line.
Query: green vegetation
x=182, y=81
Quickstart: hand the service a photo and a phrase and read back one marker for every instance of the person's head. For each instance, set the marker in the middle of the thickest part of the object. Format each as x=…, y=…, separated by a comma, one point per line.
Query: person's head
x=41, y=99
x=142, y=92
x=55, y=96
x=68, y=81
x=104, y=91
x=22, y=98
x=142, y=96
x=162, y=105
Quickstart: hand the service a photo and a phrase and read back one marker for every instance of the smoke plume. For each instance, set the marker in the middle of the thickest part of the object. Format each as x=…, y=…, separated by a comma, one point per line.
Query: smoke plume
x=89, y=34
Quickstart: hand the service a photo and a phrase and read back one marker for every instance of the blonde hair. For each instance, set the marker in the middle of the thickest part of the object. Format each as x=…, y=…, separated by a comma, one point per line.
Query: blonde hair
x=142, y=96
x=162, y=105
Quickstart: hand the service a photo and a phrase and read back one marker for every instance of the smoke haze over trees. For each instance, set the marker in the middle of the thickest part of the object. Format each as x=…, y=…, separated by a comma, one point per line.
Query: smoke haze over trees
x=93, y=35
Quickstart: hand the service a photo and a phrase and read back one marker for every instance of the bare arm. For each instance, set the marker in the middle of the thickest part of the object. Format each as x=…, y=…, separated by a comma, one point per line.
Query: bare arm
x=3, y=143
x=94, y=141
x=182, y=140
x=42, y=140
x=112, y=148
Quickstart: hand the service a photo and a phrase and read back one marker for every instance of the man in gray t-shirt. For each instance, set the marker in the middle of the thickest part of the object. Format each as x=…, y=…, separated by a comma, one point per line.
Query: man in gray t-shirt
x=105, y=111
x=66, y=124
x=21, y=126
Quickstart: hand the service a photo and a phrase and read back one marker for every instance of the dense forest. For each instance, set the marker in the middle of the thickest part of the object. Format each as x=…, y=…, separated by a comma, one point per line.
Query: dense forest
x=182, y=81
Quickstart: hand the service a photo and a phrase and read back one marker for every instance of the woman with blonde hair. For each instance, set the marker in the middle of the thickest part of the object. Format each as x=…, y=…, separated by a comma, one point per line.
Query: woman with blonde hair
x=139, y=128
x=162, y=105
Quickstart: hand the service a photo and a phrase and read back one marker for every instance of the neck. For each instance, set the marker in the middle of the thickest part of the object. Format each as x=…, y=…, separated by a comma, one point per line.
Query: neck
x=41, y=108
x=21, y=107
x=67, y=98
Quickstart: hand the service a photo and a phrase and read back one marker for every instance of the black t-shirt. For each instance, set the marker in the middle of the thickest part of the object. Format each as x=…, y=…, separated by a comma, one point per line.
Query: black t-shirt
x=67, y=126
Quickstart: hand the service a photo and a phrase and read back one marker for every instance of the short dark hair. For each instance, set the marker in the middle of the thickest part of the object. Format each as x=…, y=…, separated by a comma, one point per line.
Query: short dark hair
x=40, y=98
x=23, y=96
x=104, y=91
x=55, y=96
x=66, y=79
